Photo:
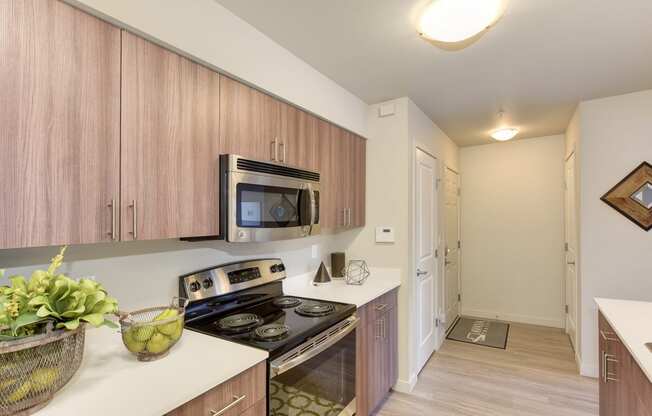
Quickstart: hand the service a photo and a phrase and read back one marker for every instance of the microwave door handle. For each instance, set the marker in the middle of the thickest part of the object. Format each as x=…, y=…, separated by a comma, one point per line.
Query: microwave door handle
x=313, y=206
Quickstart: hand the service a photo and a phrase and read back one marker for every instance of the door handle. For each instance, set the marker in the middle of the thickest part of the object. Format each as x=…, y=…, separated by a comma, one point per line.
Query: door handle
x=421, y=273
x=570, y=263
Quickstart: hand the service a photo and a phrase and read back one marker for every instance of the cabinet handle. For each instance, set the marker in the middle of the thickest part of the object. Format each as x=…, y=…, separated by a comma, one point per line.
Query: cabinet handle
x=225, y=409
x=112, y=233
x=608, y=376
x=274, y=150
x=378, y=330
x=350, y=210
x=605, y=336
x=282, y=145
x=134, y=223
x=381, y=307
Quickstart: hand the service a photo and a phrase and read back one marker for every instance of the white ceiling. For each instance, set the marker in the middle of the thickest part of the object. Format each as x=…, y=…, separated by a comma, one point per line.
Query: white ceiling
x=542, y=58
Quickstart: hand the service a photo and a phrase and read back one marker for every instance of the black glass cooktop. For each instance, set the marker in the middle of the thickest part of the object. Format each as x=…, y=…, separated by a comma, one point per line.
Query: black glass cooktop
x=266, y=319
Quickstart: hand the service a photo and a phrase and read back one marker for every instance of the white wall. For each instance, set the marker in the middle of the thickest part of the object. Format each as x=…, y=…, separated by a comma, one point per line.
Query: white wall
x=512, y=230
x=390, y=154
x=145, y=273
x=615, y=135
x=205, y=30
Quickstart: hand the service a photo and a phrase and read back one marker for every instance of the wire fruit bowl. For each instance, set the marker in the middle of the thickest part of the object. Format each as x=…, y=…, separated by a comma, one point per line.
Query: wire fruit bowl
x=150, y=333
x=33, y=369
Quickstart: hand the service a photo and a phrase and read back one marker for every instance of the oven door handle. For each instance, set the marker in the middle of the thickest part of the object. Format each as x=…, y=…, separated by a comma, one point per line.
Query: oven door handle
x=279, y=366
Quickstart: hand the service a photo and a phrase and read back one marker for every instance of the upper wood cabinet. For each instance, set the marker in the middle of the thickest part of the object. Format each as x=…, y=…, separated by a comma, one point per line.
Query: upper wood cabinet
x=60, y=125
x=327, y=165
x=250, y=121
x=298, y=138
x=170, y=144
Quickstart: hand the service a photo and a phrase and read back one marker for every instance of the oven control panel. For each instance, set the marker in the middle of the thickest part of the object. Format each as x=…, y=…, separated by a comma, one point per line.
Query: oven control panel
x=229, y=278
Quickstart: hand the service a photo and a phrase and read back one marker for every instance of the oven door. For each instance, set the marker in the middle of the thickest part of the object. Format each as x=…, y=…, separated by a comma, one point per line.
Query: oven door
x=317, y=377
x=269, y=208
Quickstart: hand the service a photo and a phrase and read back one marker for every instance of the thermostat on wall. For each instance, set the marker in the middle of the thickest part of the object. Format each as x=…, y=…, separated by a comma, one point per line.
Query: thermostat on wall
x=384, y=234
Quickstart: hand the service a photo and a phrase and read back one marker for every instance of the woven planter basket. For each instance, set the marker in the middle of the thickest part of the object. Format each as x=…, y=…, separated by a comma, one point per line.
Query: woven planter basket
x=33, y=369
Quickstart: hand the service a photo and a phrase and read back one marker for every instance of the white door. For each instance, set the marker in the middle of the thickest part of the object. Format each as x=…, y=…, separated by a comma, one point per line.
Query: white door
x=570, y=284
x=452, y=250
x=426, y=260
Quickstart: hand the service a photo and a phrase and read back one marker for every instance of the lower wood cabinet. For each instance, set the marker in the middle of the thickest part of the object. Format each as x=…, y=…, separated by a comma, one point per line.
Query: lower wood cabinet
x=376, y=352
x=244, y=395
x=624, y=389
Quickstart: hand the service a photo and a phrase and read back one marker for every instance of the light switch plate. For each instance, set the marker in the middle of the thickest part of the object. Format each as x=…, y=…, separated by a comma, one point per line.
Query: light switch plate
x=384, y=234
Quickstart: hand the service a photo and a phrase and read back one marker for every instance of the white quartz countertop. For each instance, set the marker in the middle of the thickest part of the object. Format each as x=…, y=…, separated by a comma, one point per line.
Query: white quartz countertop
x=380, y=281
x=112, y=382
x=631, y=321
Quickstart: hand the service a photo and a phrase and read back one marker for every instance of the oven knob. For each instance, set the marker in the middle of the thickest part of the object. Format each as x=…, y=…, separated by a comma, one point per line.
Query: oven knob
x=207, y=283
x=274, y=269
x=195, y=286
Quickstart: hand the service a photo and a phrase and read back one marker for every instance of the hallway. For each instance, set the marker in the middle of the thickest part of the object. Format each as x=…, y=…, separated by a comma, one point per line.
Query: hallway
x=535, y=376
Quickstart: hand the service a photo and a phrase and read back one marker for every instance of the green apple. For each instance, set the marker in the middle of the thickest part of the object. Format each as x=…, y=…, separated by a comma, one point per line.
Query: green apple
x=142, y=333
x=158, y=343
x=131, y=344
x=43, y=378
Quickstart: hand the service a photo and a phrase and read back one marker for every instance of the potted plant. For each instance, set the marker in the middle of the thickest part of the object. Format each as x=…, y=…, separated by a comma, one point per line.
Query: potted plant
x=42, y=324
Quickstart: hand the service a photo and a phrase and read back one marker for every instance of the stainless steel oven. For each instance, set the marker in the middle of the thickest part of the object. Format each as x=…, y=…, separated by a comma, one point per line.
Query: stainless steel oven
x=263, y=201
x=317, y=377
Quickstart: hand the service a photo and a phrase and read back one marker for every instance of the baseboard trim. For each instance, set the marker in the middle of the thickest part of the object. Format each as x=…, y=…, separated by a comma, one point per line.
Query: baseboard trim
x=523, y=319
x=589, y=370
x=403, y=386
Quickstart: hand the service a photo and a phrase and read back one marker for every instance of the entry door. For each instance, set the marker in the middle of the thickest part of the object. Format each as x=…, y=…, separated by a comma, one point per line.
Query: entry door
x=571, y=252
x=426, y=261
x=452, y=251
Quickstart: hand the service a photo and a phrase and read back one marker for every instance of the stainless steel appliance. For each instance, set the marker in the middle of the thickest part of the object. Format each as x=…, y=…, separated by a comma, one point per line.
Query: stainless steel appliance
x=263, y=201
x=311, y=343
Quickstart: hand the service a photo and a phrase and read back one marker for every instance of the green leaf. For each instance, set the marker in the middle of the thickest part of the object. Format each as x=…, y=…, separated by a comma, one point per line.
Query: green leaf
x=70, y=325
x=18, y=283
x=24, y=320
x=95, y=319
x=110, y=324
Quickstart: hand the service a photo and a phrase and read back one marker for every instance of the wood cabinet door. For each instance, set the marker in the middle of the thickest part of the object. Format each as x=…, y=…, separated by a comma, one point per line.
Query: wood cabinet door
x=60, y=117
x=249, y=121
x=343, y=145
x=244, y=394
x=170, y=144
x=298, y=138
x=327, y=167
x=358, y=177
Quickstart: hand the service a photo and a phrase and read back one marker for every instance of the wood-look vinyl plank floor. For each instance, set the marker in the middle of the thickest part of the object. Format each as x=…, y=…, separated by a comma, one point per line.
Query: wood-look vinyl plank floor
x=535, y=376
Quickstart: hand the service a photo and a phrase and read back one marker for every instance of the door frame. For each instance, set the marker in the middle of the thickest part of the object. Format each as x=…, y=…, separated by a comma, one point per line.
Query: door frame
x=575, y=339
x=437, y=285
x=459, y=250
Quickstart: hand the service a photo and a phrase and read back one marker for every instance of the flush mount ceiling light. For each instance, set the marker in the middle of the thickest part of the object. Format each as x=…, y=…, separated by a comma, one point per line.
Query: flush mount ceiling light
x=452, y=21
x=503, y=135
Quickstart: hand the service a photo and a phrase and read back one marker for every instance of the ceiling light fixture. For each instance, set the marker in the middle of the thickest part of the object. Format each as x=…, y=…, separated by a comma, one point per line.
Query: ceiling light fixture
x=452, y=21
x=503, y=135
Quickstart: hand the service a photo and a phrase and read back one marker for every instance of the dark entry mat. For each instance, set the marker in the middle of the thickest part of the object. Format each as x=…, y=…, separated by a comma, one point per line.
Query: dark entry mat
x=480, y=332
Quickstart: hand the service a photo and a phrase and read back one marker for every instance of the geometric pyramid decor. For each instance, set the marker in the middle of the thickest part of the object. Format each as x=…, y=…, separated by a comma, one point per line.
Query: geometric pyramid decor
x=632, y=197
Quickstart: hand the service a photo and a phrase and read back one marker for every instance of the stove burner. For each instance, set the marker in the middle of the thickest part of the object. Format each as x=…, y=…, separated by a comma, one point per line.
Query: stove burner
x=239, y=323
x=272, y=332
x=315, y=309
x=287, y=302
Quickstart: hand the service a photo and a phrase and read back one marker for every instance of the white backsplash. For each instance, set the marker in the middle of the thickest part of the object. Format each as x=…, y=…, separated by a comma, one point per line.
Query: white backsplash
x=145, y=273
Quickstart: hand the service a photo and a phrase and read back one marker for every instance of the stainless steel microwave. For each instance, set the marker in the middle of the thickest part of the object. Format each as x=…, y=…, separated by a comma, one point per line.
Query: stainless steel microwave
x=264, y=201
